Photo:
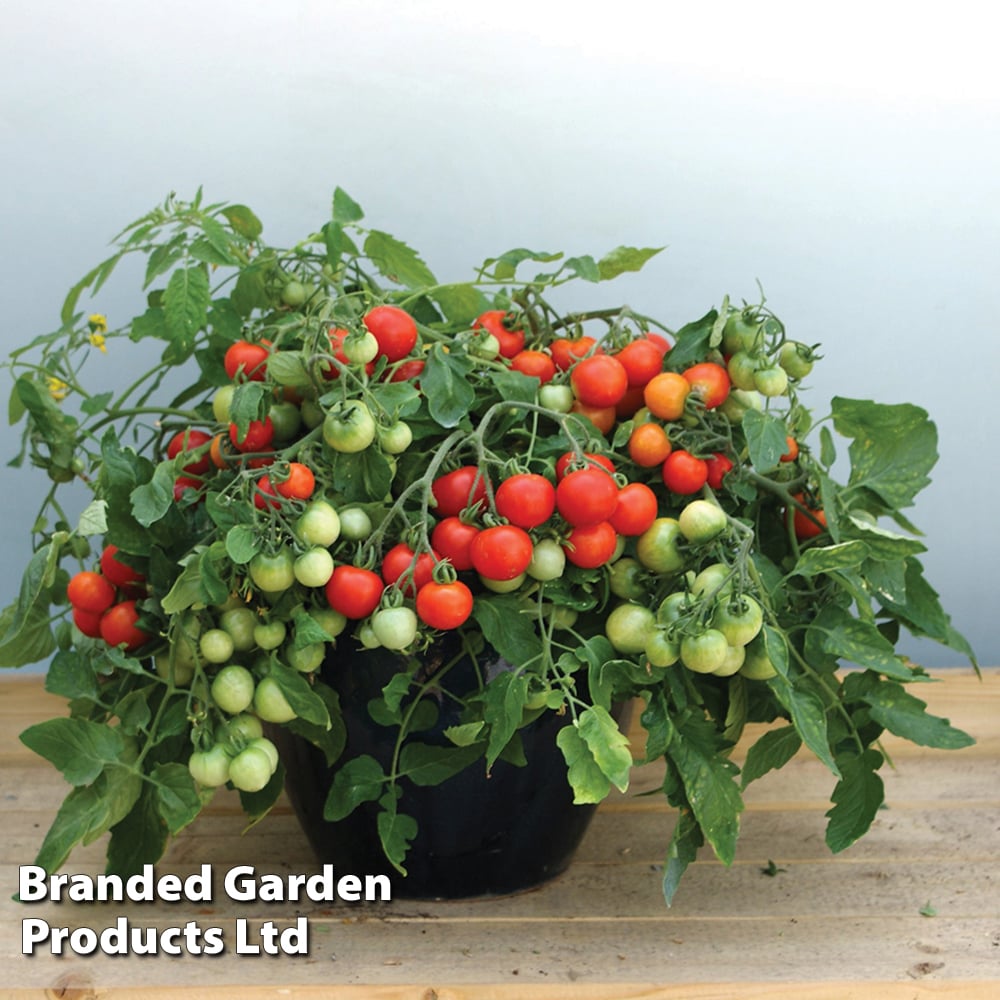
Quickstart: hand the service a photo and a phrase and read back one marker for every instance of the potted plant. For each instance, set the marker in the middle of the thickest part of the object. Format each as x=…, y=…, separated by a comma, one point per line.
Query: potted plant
x=468, y=512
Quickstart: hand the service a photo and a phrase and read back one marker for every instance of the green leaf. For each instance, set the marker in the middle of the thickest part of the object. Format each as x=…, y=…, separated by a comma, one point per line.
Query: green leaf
x=856, y=799
x=94, y=519
x=337, y=243
x=25, y=632
x=395, y=830
x=362, y=476
x=288, y=368
x=808, y=716
x=894, y=447
x=709, y=784
x=177, y=795
x=460, y=303
x=766, y=439
x=185, y=305
x=588, y=781
x=331, y=740
x=425, y=764
x=881, y=543
x=656, y=721
x=859, y=642
x=607, y=743
x=248, y=403
x=684, y=844
x=906, y=716
x=70, y=676
x=505, y=266
x=140, y=838
x=829, y=558
x=503, y=705
x=772, y=751
x=243, y=542
x=586, y=268
x=692, y=342
x=258, y=804
x=623, y=259
x=78, y=748
x=151, y=323
x=95, y=277
x=345, y=208
x=361, y=779
x=397, y=261
x=133, y=711
x=509, y=632
x=243, y=221
x=445, y=381
x=186, y=591
x=93, y=405
x=151, y=501
x=465, y=735
x=300, y=696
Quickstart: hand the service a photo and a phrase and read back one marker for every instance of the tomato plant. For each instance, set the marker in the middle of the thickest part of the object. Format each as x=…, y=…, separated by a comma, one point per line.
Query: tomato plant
x=355, y=459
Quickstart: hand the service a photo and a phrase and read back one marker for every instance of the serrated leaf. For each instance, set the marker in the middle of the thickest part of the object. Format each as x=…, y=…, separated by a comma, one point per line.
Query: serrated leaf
x=425, y=764
x=361, y=477
x=808, y=716
x=243, y=542
x=856, y=799
x=709, y=786
x=360, y=780
x=93, y=405
x=585, y=267
x=25, y=631
x=505, y=266
x=589, y=783
x=397, y=261
x=829, y=558
x=345, y=208
x=445, y=382
x=300, y=696
x=70, y=676
x=509, y=632
x=894, y=447
x=623, y=259
x=691, y=343
x=94, y=519
x=185, y=304
x=396, y=830
x=503, y=705
x=766, y=439
x=882, y=543
x=685, y=842
x=607, y=743
x=78, y=748
x=243, y=221
x=772, y=751
x=464, y=735
x=858, y=642
x=177, y=795
x=330, y=740
x=906, y=716
x=460, y=303
x=140, y=838
x=288, y=368
x=151, y=501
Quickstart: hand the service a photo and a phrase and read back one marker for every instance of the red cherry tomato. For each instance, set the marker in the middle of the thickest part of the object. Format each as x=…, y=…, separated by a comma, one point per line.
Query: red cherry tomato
x=451, y=539
x=684, y=473
x=636, y=510
x=566, y=352
x=399, y=560
x=494, y=321
x=91, y=592
x=641, y=359
x=709, y=382
x=454, y=491
x=502, y=552
x=600, y=380
x=300, y=483
x=444, y=605
x=189, y=440
x=526, y=499
x=260, y=433
x=586, y=496
x=535, y=363
x=116, y=571
x=718, y=465
x=246, y=359
x=394, y=329
x=118, y=626
x=567, y=458
x=353, y=591
x=591, y=545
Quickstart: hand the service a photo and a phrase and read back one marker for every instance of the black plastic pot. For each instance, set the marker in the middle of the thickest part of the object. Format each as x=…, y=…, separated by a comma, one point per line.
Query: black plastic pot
x=477, y=835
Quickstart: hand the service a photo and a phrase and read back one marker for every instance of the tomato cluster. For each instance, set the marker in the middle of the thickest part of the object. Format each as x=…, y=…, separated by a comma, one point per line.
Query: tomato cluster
x=104, y=603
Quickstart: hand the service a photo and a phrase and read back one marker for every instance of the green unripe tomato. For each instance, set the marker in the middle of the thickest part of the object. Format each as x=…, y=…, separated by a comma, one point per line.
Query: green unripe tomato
x=264, y=744
x=232, y=689
x=548, y=560
x=673, y=608
x=350, y=428
x=796, y=359
x=733, y=661
x=273, y=573
x=269, y=635
x=182, y=672
x=306, y=659
x=771, y=381
x=269, y=702
x=210, y=768
x=250, y=770
x=739, y=619
x=355, y=524
x=757, y=665
x=314, y=568
x=330, y=621
x=286, y=418
x=738, y=402
x=661, y=651
x=221, y=403
x=318, y=525
x=216, y=645
x=711, y=579
x=657, y=546
x=312, y=413
x=626, y=579
x=704, y=653
x=240, y=623
x=700, y=521
x=742, y=332
x=395, y=438
x=294, y=293
x=742, y=368
x=359, y=349
x=628, y=627
x=395, y=628
x=558, y=398
x=485, y=346
x=503, y=586
x=243, y=728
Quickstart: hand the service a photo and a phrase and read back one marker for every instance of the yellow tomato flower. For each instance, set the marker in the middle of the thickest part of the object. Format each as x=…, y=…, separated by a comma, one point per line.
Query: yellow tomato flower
x=98, y=323
x=58, y=389
x=97, y=340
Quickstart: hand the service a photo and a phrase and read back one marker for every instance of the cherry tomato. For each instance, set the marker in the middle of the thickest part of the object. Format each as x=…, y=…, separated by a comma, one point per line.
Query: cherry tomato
x=641, y=359
x=665, y=395
x=232, y=689
x=586, y=496
x=457, y=490
x=661, y=343
x=88, y=622
x=804, y=525
x=318, y=525
x=591, y=545
x=270, y=703
x=793, y=450
x=250, y=770
x=709, y=382
x=628, y=627
x=569, y=457
x=354, y=592
x=89, y=591
x=314, y=567
x=771, y=381
x=444, y=605
x=537, y=364
x=184, y=483
x=797, y=359
x=400, y=562
x=246, y=359
x=300, y=483
x=451, y=539
x=264, y=495
x=259, y=435
x=602, y=417
x=599, y=381
x=190, y=440
x=705, y=652
x=273, y=572
x=636, y=510
x=118, y=626
x=210, y=768
x=566, y=352
x=739, y=619
x=394, y=329
x=395, y=438
x=502, y=552
x=350, y=428
x=657, y=549
x=526, y=499
x=684, y=473
x=407, y=371
x=718, y=465
x=700, y=521
x=648, y=445
x=548, y=561
x=559, y=398
x=395, y=628
x=495, y=321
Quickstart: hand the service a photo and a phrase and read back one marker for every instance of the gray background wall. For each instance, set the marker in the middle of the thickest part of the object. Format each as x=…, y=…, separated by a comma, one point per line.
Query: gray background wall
x=849, y=161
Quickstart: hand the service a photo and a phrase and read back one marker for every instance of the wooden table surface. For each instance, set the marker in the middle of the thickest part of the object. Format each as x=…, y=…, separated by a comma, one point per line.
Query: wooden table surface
x=821, y=927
